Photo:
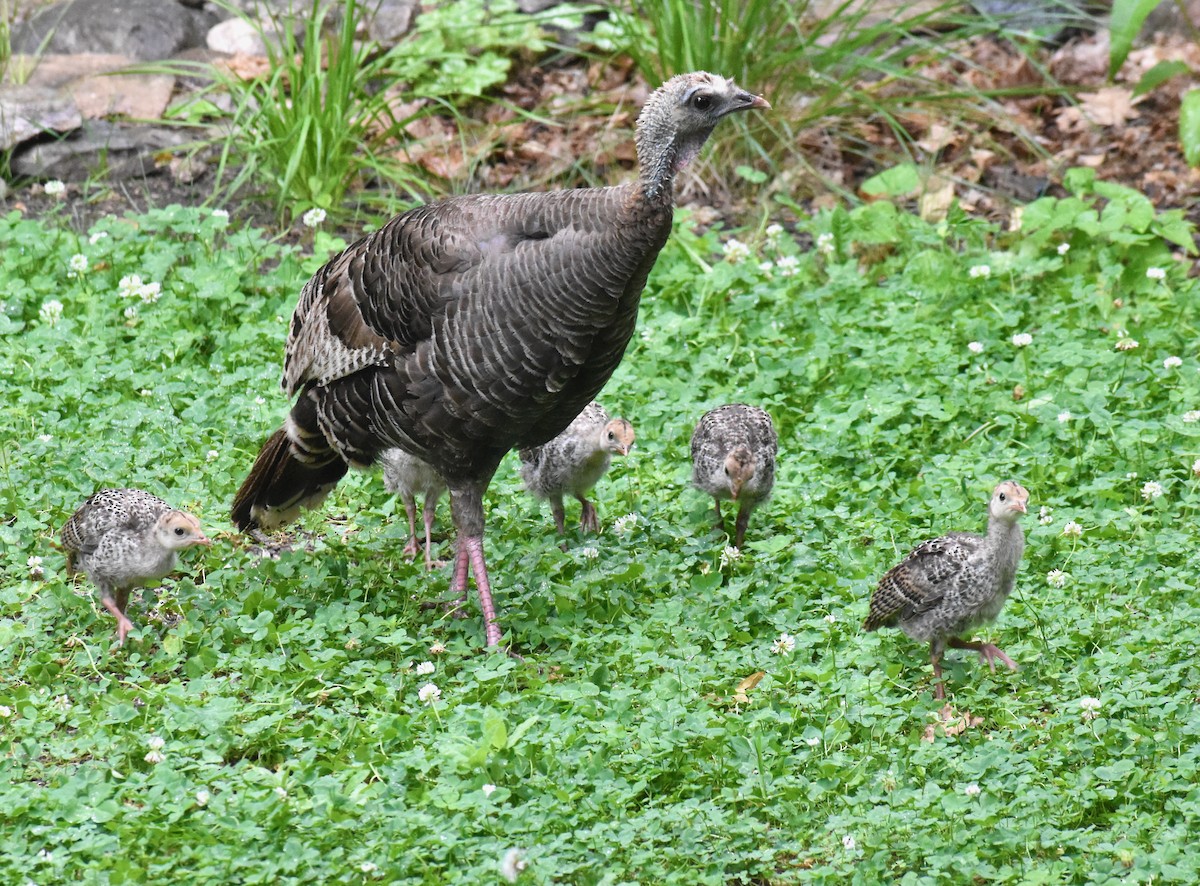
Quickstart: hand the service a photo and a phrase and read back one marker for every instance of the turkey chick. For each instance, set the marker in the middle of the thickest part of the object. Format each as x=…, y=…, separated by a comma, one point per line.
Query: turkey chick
x=408, y=476
x=733, y=459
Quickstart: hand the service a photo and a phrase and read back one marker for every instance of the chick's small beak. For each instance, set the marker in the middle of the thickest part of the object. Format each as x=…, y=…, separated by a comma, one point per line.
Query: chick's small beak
x=205, y=541
x=757, y=102
x=1020, y=506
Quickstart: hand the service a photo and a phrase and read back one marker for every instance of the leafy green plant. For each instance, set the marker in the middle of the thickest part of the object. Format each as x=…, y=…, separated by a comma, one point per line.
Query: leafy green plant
x=836, y=72
x=1128, y=17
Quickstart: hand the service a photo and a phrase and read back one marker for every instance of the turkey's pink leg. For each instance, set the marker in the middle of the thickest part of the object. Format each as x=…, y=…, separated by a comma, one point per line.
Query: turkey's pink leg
x=987, y=653
x=474, y=547
x=935, y=658
x=458, y=585
x=124, y=625
x=410, y=508
x=588, y=521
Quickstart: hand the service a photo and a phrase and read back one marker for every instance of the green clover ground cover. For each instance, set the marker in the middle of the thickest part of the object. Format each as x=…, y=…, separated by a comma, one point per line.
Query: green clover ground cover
x=270, y=721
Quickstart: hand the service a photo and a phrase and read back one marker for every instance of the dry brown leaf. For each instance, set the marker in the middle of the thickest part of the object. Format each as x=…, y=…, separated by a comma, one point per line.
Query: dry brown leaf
x=1110, y=106
x=936, y=198
x=739, y=692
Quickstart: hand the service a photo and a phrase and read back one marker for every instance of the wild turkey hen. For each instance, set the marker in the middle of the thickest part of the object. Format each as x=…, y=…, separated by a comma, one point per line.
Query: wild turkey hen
x=733, y=458
x=408, y=476
x=122, y=538
x=465, y=328
x=949, y=585
x=574, y=461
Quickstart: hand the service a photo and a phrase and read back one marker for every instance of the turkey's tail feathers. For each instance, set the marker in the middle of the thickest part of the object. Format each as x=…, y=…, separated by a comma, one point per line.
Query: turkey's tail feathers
x=280, y=485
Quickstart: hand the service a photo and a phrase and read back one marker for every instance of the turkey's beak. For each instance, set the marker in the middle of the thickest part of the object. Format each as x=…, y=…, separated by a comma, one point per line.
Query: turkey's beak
x=735, y=489
x=625, y=449
x=204, y=541
x=1019, y=506
x=744, y=101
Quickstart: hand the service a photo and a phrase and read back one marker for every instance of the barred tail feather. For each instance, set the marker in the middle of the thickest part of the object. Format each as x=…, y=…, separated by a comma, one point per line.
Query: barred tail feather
x=280, y=485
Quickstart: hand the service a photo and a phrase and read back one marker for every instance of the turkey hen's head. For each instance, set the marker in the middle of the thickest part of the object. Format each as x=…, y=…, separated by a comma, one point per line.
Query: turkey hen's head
x=678, y=118
x=739, y=469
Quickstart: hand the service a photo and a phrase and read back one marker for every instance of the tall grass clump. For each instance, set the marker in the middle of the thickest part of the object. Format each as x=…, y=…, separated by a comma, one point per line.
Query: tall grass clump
x=330, y=116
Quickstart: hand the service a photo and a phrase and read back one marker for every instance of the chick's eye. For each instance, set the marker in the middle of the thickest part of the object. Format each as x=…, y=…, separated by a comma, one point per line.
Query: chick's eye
x=702, y=102
x=1002, y=496
x=611, y=435
x=179, y=530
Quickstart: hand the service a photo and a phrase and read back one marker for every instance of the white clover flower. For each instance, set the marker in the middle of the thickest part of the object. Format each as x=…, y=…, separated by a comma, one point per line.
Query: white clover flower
x=1056, y=578
x=45, y=855
x=1156, y=273
x=425, y=668
x=729, y=555
x=784, y=644
x=972, y=790
x=1196, y=468
x=260, y=401
x=788, y=265
x=34, y=562
x=45, y=438
x=429, y=693
x=813, y=741
x=1064, y=248
x=825, y=244
x=1126, y=344
x=848, y=843
x=150, y=292
x=96, y=237
x=1064, y=416
x=63, y=701
x=313, y=218
x=221, y=217
x=979, y=271
x=78, y=263
x=975, y=347
x=626, y=523
x=35, y=567
x=155, y=743
x=831, y=618
x=154, y=757
x=51, y=312
x=512, y=863
x=1022, y=339
x=1151, y=490
x=281, y=793
x=488, y=789
x=589, y=553
x=202, y=797
x=1192, y=416
x=54, y=188
x=212, y=455
x=130, y=286
x=766, y=267
x=437, y=648
x=5, y=711
x=1044, y=515
x=1072, y=529
x=368, y=867
x=735, y=250
x=774, y=230
x=146, y=392
x=1090, y=706
x=131, y=313
x=1172, y=362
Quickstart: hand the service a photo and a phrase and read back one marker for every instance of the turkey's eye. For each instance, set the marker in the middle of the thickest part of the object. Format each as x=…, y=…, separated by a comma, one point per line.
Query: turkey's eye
x=611, y=435
x=726, y=470
x=1002, y=496
x=179, y=531
x=702, y=102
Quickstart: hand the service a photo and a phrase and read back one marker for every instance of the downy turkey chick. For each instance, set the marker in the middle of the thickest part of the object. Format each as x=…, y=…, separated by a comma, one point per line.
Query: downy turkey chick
x=733, y=459
x=475, y=325
x=574, y=461
x=408, y=476
x=949, y=585
x=124, y=538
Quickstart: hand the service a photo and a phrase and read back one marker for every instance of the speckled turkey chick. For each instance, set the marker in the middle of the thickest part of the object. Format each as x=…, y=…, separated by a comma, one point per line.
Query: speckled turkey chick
x=408, y=476
x=949, y=585
x=475, y=325
x=733, y=459
x=123, y=538
x=574, y=461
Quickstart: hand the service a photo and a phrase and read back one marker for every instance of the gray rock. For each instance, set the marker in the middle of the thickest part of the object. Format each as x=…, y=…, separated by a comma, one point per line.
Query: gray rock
x=236, y=36
x=391, y=21
x=29, y=111
x=146, y=30
x=123, y=152
x=532, y=7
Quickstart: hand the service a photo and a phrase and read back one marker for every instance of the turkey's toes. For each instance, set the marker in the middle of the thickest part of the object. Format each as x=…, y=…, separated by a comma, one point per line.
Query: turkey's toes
x=431, y=565
x=989, y=654
x=588, y=521
x=410, y=549
x=124, y=626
